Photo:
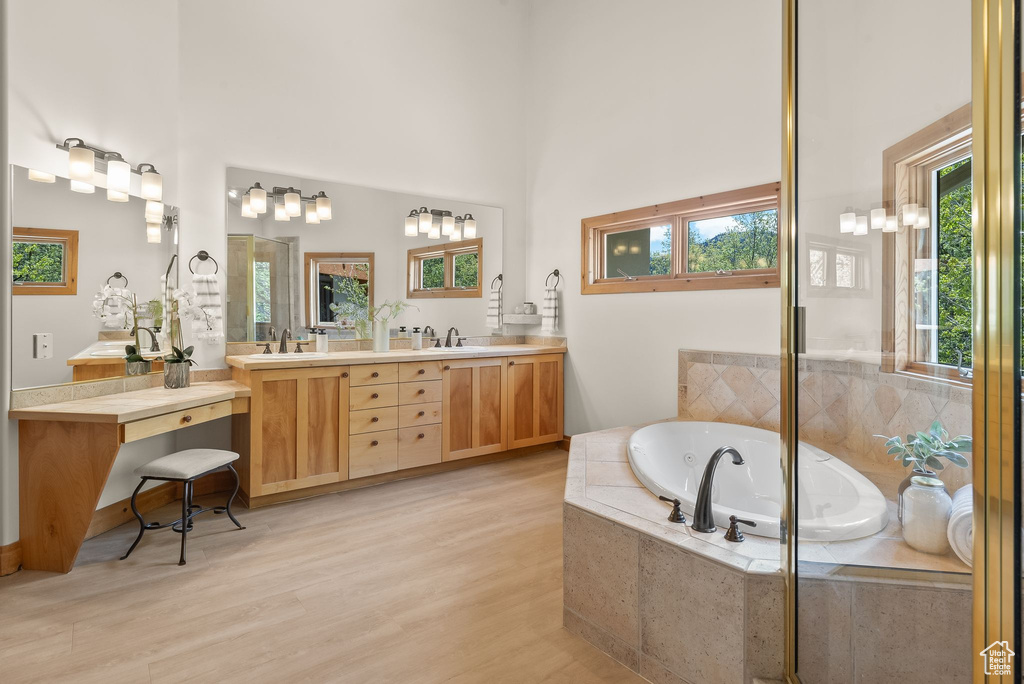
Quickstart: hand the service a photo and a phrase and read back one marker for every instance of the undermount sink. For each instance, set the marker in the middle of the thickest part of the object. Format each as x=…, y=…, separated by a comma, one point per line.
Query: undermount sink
x=120, y=352
x=457, y=349
x=289, y=356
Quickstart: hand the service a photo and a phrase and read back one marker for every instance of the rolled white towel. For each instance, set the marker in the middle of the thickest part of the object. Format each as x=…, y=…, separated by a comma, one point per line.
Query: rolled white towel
x=960, y=530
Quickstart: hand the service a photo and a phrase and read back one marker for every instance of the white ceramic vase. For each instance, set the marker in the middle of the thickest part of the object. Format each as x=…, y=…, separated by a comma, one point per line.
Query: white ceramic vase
x=381, y=341
x=926, y=509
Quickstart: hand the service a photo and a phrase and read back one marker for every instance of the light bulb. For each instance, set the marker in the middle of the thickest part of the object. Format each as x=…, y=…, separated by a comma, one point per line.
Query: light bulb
x=41, y=176
x=280, y=213
x=861, y=227
x=469, y=227
x=81, y=163
x=119, y=175
x=909, y=214
x=412, y=227
x=311, y=215
x=456, y=234
x=153, y=233
x=847, y=222
x=292, y=202
x=152, y=186
x=323, y=206
x=891, y=225
x=115, y=196
x=923, y=218
x=877, y=219
x=447, y=224
x=83, y=187
x=258, y=199
x=154, y=211
x=247, y=211
x=435, y=232
x=426, y=220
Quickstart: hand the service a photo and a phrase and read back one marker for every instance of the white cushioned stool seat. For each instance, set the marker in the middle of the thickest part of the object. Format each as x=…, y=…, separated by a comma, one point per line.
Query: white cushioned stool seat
x=183, y=465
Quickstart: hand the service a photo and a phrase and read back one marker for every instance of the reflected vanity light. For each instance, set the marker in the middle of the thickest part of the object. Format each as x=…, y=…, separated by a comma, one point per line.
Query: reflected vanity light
x=323, y=206
x=82, y=172
x=154, y=211
x=81, y=163
x=456, y=235
x=891, y=225
x=288, y=202
x=257, y=199
x=435, y=231
x=115, y=196
x=153, y=232
x=426, y=220
x=847, y=222
x=909, y=214
x=280, y=213
x=923, y=219
x=877, y=219
x=82, y=187
x=437, y=222
x=861, y=227
x=152, y=183
x=292, y=205
x=311, y=213
x=247, y=211
x=469, y=227
x=119, y=175
x=412, y=224
x=41, y=176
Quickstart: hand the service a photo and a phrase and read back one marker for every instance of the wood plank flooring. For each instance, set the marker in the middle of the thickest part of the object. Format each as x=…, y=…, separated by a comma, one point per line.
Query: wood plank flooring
x=455, y=577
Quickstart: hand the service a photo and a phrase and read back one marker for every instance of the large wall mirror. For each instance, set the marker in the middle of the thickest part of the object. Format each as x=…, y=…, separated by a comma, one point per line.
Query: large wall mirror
x=292, y=266
x=67, y=247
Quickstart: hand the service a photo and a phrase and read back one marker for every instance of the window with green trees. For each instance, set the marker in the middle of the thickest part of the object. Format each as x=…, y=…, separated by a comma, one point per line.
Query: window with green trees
x=451, y=269
x=44, y=261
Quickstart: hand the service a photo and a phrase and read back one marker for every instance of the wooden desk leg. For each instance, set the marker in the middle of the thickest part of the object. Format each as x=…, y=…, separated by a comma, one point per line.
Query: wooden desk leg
x=63, y=468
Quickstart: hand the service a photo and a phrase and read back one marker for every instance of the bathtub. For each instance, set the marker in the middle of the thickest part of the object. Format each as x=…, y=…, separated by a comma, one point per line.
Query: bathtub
x=834, y=501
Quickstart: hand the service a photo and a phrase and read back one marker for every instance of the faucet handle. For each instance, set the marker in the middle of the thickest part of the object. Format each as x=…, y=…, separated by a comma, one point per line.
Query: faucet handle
x=460, y=341
x=266, y=348
x=298, y=346
x=733, y=534
x=676, y=515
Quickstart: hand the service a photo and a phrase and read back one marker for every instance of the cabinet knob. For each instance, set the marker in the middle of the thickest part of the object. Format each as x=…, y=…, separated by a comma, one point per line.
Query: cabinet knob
x=374, y=443
x=186, y=419
x=421, y=371
x=345, y=374
x=511, y=363
x=422, y=391
x=447, y=367
x=374, y=374
x=374, y=419
x=421, y=414
x=375, y=396
x=420, y=436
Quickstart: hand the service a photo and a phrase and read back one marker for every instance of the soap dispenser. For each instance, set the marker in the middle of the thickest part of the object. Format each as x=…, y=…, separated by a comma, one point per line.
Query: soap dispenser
x=321, y=340
x=417, y=338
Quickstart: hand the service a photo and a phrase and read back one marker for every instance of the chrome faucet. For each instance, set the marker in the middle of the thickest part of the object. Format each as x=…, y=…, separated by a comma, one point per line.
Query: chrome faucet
x=286, y=335
x=703, y=520
x=155, y=347
x=448, y=340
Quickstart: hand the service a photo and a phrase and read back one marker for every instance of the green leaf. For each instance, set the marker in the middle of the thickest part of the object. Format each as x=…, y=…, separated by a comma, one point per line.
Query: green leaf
x=933, y=463
x=129, y=349
x=957, y=460
x=896, y=450
x=188, y=351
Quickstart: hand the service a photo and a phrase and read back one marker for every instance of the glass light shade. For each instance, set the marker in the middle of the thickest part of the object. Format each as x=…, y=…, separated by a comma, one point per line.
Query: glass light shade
x=153, y=232
x=152, y=186
x=877, y=219
x=861, y=227
x=154, y=211
x=280, y=213
x=258, y=200
x=81, y=163
x=115, y=196
x=909, y=214
x=435, y=232
x=119, y=176
x=412, y=226
x=175, y=234
x=311, y=215
x=891, y=225
x=83, y=187
x=426, y=220
x=41, y=176
x=923, y=218
x=456, y=235
x=323, y=207
x=447, y=225
x=469, y=228
x=292, y=203
x=847, y=222
x=247, y=211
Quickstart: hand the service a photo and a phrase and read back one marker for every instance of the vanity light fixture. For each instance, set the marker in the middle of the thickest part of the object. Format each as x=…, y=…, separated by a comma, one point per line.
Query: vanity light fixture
x=435, y=231
x=84, y=159
x=847, y=222
x=154, y=211
x=861, y=226
x=257, y=199
x=152, y=183
x=891, y=226
x=292, y=203
x=312, y=216
x=153, y=232
x=447, y=223
x=426, y=220
x=247, y=211
x=119, y=175
x=909, y=214
x=115, y=196
x=323, y=206
x=438, y=222
x=469, y=227
x=923, y=219
x=877, y=219
x=914, y=215
x=412, y=224
x=456, y=235
x=288, y=202
x=81, y=161
x=280, y=213
x=41, y=176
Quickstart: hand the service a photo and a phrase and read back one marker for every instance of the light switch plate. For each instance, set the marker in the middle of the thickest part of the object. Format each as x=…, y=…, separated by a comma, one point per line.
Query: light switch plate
x=42, y=345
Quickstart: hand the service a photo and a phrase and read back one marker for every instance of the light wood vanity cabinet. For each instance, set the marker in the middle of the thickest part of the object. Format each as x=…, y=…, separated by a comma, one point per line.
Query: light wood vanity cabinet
x=474, y=407
x=535, y=401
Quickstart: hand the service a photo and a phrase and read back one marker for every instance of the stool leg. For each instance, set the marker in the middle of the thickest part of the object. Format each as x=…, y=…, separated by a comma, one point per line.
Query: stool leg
x=185, y=496
x=142, y=522
x=233, y=494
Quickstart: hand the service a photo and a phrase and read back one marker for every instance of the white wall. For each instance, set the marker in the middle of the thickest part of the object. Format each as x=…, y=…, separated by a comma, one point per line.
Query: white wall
x=631, y=104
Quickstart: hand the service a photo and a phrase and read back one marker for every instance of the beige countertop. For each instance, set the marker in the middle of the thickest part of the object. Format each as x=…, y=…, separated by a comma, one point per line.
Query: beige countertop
x=355, y=358
x=85, y=357
x=126, y=407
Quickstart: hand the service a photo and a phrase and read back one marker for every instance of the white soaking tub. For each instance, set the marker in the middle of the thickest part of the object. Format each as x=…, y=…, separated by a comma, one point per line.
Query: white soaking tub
x=834, y=501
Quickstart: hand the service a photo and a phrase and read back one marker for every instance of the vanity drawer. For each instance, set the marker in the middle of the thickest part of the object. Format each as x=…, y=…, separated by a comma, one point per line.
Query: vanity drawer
x=415, y=415
x=419, y=371
x=419, y=392
x=419, y=446
x=147, y=427
x=372, y=397
x=372, y=453
x=373, y=374
x=373, y=420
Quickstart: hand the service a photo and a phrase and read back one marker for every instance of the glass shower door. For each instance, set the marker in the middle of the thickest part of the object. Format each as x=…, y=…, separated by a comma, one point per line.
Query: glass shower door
x=259, y=275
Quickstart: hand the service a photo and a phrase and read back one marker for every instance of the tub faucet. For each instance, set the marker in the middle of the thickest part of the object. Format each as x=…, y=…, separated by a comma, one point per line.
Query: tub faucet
x=286, y=335
x=703, y=520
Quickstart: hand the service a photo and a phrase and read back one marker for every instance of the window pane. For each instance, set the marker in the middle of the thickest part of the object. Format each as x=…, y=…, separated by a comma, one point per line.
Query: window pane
x=344, y=292
x=643, y=252
x=466, y=270
x=261, y=291
x=953, y=271
x=38, y=262
x=846, y=270
x=432, y=273
x=734, y=243
x=818, y=259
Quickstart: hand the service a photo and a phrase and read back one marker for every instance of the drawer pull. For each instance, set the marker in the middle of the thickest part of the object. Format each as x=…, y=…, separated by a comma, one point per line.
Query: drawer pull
x=511, y=363
x=422, y=391
x=447, y=367
x=375, y=396
x=421, y=371
x=186, y=419
x=421, y=414
x=374, y=374
x=374, y=443
x=374, y=419
x=420, y=436
x=345, y=374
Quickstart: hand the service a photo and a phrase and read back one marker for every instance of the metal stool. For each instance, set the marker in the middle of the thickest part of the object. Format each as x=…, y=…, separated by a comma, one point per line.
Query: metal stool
x=185, y=467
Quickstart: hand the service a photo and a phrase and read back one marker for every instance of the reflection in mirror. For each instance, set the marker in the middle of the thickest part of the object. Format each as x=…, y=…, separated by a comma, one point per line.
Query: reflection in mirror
x=322, y=270
x=77, y=260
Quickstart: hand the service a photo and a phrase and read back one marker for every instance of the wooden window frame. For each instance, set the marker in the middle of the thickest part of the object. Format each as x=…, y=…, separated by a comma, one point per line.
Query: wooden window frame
x=678, y=214
x=447, y=251
x=311, y=259
x=69, y=238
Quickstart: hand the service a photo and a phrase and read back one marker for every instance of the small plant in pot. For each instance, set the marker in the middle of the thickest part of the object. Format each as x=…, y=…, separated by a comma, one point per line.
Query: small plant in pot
x=177, y=365
x=925, y=451
x=134, y=362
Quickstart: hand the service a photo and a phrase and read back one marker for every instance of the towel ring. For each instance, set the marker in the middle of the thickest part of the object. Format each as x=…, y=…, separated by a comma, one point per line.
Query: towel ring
x=203, y=255
x=497, y=279
x=558, y=278
x=118, y=276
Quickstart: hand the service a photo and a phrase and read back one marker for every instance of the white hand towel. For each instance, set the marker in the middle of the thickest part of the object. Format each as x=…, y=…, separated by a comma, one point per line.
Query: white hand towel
x=207, y=327
x=494, y=316
x=960, y=530
x=549, y=314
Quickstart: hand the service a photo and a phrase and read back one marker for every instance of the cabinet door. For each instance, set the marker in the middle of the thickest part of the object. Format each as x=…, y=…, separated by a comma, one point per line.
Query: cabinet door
x=299, y=428
x=474, y=415
x=535, y=410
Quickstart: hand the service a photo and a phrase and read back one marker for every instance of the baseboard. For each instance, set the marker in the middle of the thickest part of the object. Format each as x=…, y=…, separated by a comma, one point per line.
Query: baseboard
x=563, y=444
x=10, y=558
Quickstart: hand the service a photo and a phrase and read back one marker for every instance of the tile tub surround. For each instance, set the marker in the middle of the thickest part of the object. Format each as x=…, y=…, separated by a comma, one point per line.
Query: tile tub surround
x=843, y=404
x=680, y=606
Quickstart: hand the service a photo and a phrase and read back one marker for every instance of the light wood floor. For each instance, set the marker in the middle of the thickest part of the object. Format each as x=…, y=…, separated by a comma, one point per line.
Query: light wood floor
x=455, y=577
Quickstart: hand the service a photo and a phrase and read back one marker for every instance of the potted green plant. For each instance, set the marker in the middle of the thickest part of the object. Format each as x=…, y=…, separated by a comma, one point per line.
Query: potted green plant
x=382, y=316
x=353, y=311
x=177, y=367
x=134, y=362
x=925, y=451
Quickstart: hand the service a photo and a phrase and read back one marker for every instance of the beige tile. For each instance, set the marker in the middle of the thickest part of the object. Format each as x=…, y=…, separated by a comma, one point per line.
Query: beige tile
x=607, y=451
x=656, y=673
x=892, y=553
x=100, y=388
x=701, y=409
x=691, y=613
x=824, y=631
x=600, y=573
x=638, y=501
x=887, y=400
x=602, y=640
x=736, y=413
x=611, y=473
x=739, y=379
x=700, y=375
x=720, y=395
x=40, y=396
x=758, y=400
x=765, y=633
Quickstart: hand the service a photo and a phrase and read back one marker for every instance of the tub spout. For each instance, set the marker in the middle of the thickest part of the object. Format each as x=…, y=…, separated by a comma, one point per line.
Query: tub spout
x=703, y=520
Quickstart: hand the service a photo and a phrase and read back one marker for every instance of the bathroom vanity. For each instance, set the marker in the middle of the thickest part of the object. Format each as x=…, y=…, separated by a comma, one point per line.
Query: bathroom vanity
x=333, y=422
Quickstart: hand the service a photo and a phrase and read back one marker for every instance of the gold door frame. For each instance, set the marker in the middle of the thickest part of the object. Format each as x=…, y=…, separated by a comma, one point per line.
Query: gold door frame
x=996, y=395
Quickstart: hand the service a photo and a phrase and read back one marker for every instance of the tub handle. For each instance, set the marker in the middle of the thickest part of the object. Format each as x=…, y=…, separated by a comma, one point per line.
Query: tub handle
x=676, y=515
x=733, y=534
